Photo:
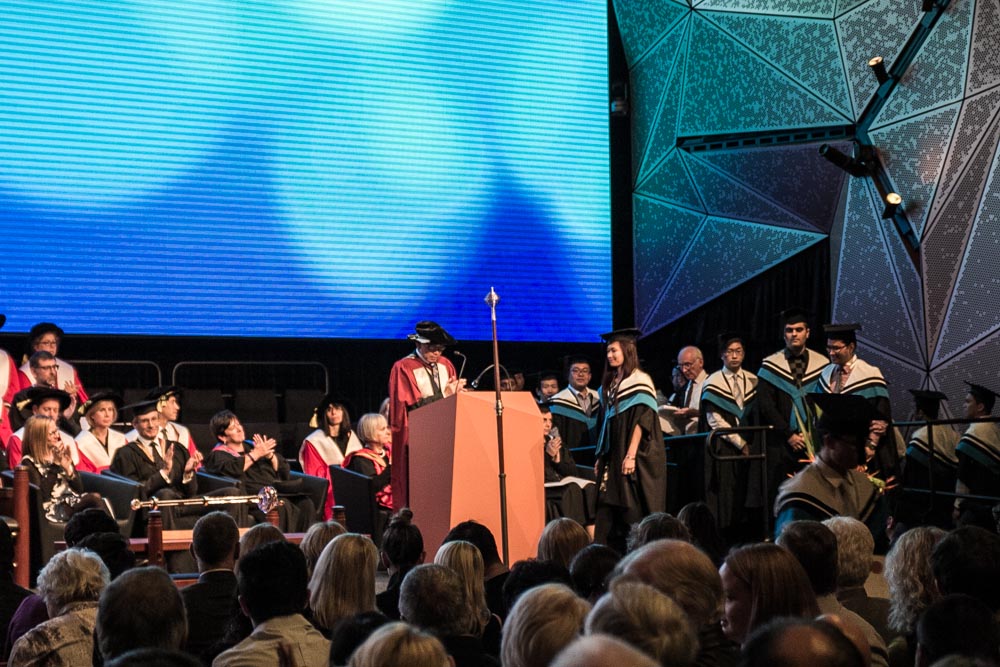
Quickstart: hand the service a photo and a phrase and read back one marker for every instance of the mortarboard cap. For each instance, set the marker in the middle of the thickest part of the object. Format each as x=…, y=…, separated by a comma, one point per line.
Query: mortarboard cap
x=726, y=338
x=844, y=415
x=86, y=406
x=928, y=401
x=842, y=332
x=430, y=333
x=794, y=315
x=982, y=394
x=630, y=333
x=3, y=320
x=138, y=409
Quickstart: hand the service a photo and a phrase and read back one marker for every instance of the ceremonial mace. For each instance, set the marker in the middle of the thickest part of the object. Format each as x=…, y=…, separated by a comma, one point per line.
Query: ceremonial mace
x=266, y=500
x=492, y=299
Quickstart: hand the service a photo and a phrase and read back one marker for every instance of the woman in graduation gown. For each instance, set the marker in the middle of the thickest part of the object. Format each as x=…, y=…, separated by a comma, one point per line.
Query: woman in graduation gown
x=631, y=459
x=327, y=446
x=98, y=442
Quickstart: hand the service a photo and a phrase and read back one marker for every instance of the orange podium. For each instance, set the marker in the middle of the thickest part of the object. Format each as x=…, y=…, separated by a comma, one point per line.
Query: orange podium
x=454, y=468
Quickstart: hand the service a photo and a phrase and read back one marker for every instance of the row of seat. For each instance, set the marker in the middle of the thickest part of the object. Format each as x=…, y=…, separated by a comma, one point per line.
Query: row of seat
x=251, y=405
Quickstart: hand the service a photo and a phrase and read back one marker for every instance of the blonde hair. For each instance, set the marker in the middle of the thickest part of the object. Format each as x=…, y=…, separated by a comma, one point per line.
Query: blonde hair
x=543, y=622
x=647, y=619
x=400, y=644
x=561, y=540
x=912, y=587
x=464, y=558
x=368, y=427
x=343, y=582
x=316, y=539
x=35, y=442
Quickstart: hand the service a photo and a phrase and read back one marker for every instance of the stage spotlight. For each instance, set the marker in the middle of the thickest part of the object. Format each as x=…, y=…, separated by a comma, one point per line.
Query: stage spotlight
x=845, y=162
x=878, y=68
x=892, y=202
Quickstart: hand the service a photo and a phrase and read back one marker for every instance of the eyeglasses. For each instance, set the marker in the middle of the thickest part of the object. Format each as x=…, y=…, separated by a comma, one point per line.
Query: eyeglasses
x=836, y=348
x=687, y=364
x=53, y=367
x=580, y=371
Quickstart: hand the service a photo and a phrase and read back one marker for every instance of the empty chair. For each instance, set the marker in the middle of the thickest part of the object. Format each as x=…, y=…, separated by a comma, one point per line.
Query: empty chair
x=198, y=405
x=299, y=405
x=256, y=405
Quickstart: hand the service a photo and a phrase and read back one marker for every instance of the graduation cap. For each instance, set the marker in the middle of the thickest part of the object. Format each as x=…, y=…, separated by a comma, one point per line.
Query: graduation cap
x=928, y=401
x=37, y=395
x=161, y=394
x=87, y=405
x=983, y=395
x=726, y=338
x=629, y=334
x=794, y=315
x=431, y=333
x=326, y=402
x=846, y=333
x=43, y=328
x=138, y=409
x=844, y=416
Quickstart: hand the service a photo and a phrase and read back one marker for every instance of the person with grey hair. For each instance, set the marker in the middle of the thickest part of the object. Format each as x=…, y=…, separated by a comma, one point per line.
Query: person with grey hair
x=648, y=620
x=400, y=644
x=70, y=584
x=140, y=609
x=601, y=651
x=432, y=598
x=543, y=621
x=855, y=555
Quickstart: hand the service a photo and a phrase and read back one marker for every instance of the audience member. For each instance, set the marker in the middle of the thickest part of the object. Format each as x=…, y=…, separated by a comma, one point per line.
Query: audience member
x=496, y=572
x=570, y=490
x=958, y=625
x=49, y=463
x=561, y=540
x=967, y=560
x=526, y=574
x=796, y=642
x=70, y=584
x=590, y=570
x=374, y=459
x=273, y=592
x=656, y=526
x=542, y=622
x=98, y=442
x=400, y=644
x=648, y=620
x=351, y=632
x=601, y=651
x=112, y=549
x=153, y=657
x=47, y=337
x=327, y=446
x=402, y=550
x=140, y=609
x=343, y=583
x=316, y=538
x=44, y=402
x=911, y=589
x=855, y=556
x=11, y=595
x=464, y=558
x=258, y=536
x=215, y=545
x=704, y=530
x=431, y=598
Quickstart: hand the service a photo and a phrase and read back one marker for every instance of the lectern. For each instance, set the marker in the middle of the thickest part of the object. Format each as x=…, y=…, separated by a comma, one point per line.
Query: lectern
x=454, y=468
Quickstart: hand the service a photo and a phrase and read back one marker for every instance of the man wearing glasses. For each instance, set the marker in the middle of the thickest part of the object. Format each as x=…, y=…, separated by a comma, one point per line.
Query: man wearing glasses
x=575, y=408
x=45, y=370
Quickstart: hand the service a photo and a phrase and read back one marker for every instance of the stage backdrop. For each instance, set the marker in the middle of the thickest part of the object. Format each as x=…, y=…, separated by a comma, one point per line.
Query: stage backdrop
x=709, y=216
x=306, y=168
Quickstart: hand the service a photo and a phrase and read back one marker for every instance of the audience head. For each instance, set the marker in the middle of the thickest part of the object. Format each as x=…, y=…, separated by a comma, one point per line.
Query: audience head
x=648, y=620
x=316, y=539
x=87, y=522
x=561, y=540
x=911, y=581
x=657, y=526
x=35, y=442
x=601, y=651
x=351, y=632
x=258, y=536
x=332, y=411
x=402, y=542
x=855, y=550
x=45, y=336
x=480, y=535
x=979, y=401
x=683, y=572
x=431, y=597
x=958, y=624
x=154, y=657
x=763, y=582
x=704, y=530
x=140, y=609
x=464, y=558
x=526, y=574
x=967, y=560
x=815, y=547
x=272, y=581
x=400, y=644
x=791, y=642
x=548, y=385
x=541, y=623
x=112, y=549
x=590, y=570
x=343, y=582
x=45, y=368
x=215, y=541
x=70, y=576
x=219, y=422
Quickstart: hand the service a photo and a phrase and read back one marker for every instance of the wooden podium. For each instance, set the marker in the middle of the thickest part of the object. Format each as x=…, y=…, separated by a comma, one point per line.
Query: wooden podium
x=454, y=468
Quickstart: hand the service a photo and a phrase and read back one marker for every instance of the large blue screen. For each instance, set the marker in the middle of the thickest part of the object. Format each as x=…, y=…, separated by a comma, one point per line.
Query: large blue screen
x=288, y=168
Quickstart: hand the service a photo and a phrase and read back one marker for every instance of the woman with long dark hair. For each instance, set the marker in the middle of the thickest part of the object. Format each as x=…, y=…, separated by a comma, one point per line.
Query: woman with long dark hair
x=631, y=460
x=327, y=446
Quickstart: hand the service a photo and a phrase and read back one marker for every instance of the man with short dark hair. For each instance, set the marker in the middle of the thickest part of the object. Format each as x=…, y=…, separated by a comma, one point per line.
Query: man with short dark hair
x=967, y=560
x=978, y=449
x=548, y=386
x=574, y=409
x=273, y=592
x=139, y=609
x=215, y=545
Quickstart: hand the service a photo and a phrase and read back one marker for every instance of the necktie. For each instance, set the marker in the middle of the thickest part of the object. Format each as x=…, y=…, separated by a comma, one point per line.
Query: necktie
x=687, y=394
x=838, y=383
x=584, y=401
x=738, y=390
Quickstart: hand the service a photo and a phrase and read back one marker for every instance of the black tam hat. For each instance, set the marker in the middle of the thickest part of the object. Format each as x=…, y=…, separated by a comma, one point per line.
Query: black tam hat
x=631, y=334
x=138, y=409
x=982, y=394
x=928, y=401
x=794, y=316
x=844, y=416
x=846, y=333
x=36, y=395
x=97, y=398
x=431, y=333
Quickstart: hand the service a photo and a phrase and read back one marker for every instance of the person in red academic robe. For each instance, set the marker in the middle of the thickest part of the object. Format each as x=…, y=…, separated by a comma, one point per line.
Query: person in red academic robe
x=46, y=336
x=9, y=385
x=422, y=377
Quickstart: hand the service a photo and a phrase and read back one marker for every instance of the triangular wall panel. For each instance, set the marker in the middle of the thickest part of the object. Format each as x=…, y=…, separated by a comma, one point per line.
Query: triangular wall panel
x=670, y=182
x=901, y=376
x=655, y=91
x=979, y=363
x=844, y=6
x=643, y=22
x=984, y=61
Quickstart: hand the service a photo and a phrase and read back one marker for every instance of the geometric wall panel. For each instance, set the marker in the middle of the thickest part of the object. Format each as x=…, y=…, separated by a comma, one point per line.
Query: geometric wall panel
x=731, y=89
x=937, y=75
x=724, y=254
x=655, y=85
x=727, y=198
x=796, y=177
x=670, y=182
x=877, y=28
x=910, y=286
x=867, y=290
x=901, y=375
x=912, y=153
x=844, y=6
x=662, y=234
x=806, y=8
x=984, y=61
x=979, y=363
x=806, y=50
x=645, y=22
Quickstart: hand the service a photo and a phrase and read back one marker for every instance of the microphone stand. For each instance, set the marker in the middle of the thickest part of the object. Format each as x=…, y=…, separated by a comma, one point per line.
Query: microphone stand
x=492, y=299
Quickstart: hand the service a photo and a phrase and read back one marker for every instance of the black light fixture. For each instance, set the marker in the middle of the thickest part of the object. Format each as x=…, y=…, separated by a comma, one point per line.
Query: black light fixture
x=892, y=202
x=844, y=161
x=878, y=68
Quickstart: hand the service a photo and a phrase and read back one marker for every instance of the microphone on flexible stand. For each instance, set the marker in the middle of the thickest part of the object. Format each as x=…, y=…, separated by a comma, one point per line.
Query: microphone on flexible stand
x=464, y=359
x=475, y=383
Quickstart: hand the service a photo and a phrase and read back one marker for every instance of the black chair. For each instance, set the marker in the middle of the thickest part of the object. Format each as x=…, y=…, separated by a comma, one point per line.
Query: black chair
x=299, y=404
x=356, y=492
x=314, y=487
x=256, y=405
x=200, y=405
x=208, y=482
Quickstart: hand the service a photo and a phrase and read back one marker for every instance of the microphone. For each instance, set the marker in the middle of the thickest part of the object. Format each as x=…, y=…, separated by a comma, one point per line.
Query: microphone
x=464, y=359
x=475, y=383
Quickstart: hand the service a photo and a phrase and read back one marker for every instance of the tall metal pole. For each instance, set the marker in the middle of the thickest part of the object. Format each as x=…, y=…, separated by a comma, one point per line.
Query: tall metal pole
x=492, y=299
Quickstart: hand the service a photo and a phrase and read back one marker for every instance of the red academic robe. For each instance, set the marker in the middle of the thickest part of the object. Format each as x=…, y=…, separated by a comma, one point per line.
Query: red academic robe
x=318, y=453
x=66, y=373
x=9, y=386
x=93, y=457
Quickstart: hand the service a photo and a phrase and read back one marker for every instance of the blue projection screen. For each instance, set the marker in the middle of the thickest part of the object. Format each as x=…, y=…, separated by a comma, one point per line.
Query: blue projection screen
x=305, y=168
